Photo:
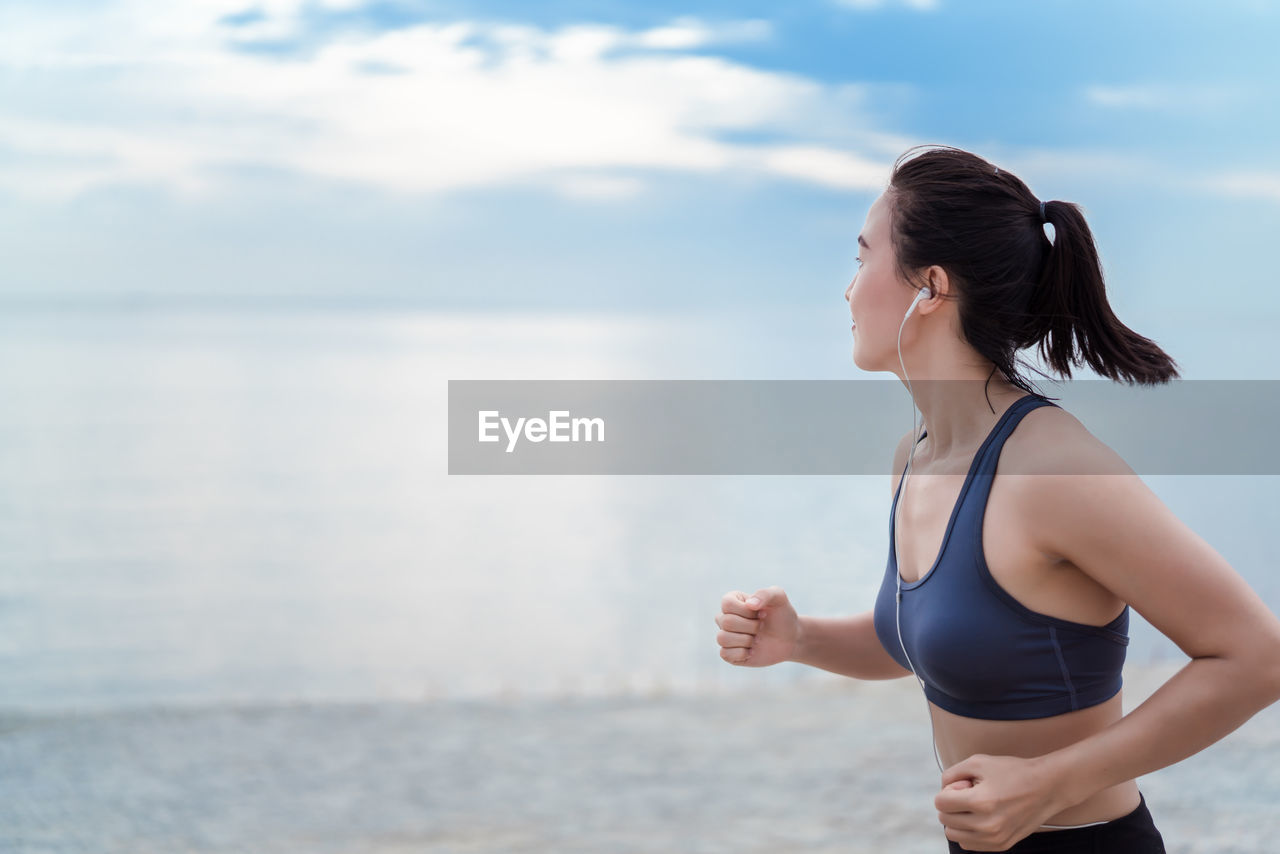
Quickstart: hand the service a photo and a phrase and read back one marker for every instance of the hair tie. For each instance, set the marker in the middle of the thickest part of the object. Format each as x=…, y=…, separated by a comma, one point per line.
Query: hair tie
x=1042, y=219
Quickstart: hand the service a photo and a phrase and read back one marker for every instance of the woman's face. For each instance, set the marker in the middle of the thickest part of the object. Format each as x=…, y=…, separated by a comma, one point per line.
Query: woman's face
x=877, y=298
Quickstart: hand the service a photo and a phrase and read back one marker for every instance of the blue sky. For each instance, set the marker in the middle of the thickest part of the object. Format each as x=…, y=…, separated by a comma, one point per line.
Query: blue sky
x=617, y=156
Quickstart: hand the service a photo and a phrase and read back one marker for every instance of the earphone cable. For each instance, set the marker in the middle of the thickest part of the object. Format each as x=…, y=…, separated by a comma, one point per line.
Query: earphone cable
x=915, y=438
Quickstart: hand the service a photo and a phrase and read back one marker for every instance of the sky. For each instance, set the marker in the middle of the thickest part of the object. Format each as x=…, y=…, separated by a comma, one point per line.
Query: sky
x=614, y=156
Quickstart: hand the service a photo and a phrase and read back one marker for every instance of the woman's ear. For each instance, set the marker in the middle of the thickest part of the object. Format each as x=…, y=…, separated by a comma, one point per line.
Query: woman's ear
x=936, y=281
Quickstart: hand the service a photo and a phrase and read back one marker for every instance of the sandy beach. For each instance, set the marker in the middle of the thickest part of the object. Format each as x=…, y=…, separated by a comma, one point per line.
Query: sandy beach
x=836, y=767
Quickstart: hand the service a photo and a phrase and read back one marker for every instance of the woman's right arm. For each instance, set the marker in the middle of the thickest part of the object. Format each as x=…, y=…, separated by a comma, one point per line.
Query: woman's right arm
x=849, y=645
x=846, y=645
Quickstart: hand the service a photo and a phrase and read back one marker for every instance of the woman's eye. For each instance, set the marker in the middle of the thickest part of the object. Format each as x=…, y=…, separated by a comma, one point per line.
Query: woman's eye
x=859, y=260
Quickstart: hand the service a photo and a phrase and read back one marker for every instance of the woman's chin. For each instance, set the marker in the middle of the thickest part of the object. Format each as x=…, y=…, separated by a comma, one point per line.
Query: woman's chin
x=859, y=363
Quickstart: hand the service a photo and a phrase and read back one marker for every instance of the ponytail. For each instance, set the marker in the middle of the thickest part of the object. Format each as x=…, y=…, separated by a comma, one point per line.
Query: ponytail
x=1077, y=324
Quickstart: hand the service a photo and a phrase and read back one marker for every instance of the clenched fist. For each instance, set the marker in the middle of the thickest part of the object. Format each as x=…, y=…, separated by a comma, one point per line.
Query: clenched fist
x=759, y=629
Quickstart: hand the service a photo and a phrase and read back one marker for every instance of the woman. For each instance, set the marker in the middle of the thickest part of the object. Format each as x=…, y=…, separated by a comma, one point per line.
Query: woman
x=1008, y=597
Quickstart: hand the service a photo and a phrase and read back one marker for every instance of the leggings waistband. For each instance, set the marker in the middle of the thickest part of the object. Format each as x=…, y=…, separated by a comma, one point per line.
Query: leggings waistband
x=1141, y=801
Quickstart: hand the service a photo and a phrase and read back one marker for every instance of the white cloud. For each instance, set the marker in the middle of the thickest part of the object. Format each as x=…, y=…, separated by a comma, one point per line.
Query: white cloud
x=461, y=104
x=687, y=32
x=1256, y=185
x=600, y=186
x=1166, y=97
x=825, y=166
x=83, y=155
x=1058, y=174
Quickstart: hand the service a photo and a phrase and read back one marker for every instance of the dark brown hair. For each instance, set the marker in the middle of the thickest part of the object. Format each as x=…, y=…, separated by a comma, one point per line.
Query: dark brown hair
x=1015, y=287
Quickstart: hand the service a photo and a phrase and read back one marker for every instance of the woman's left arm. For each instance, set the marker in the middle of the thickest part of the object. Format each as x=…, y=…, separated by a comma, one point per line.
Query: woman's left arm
x=1116, y=530
x=1091, y=509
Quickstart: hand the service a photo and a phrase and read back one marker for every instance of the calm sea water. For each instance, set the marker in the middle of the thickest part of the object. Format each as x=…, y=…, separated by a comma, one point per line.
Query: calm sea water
x=206, y=506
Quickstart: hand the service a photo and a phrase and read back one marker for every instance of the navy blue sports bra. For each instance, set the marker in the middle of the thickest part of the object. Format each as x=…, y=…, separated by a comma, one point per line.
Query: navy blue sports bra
x=979, y=652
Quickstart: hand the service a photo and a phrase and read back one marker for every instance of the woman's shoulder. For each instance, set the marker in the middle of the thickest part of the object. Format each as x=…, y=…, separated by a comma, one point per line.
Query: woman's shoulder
x=1081, y=485
x=1049, y=440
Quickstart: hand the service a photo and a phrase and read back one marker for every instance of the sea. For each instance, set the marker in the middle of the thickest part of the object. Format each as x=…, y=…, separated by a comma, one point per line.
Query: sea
x=245, y=607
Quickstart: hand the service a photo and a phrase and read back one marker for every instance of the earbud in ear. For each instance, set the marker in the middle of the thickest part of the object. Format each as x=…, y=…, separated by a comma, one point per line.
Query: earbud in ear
x=923, y=293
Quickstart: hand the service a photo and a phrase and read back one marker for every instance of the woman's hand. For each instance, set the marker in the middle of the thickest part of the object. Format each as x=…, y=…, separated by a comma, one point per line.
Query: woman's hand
x=988, y=803
x=759, y=629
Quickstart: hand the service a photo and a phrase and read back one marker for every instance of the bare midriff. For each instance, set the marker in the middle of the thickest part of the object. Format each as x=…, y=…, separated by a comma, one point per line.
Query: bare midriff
x=959, y=737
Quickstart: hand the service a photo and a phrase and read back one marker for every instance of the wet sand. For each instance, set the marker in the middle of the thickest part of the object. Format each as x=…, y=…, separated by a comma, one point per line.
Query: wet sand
x=840, y=766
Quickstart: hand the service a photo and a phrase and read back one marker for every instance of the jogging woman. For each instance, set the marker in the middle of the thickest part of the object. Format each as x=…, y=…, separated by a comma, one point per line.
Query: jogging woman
x=1009, y=597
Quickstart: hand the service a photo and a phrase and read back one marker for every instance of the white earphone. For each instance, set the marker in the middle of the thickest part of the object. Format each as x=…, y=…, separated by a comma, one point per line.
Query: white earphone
x=923, y=293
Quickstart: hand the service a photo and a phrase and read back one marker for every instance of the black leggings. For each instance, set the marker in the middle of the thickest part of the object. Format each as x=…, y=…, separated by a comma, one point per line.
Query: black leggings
x=1134, y=833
